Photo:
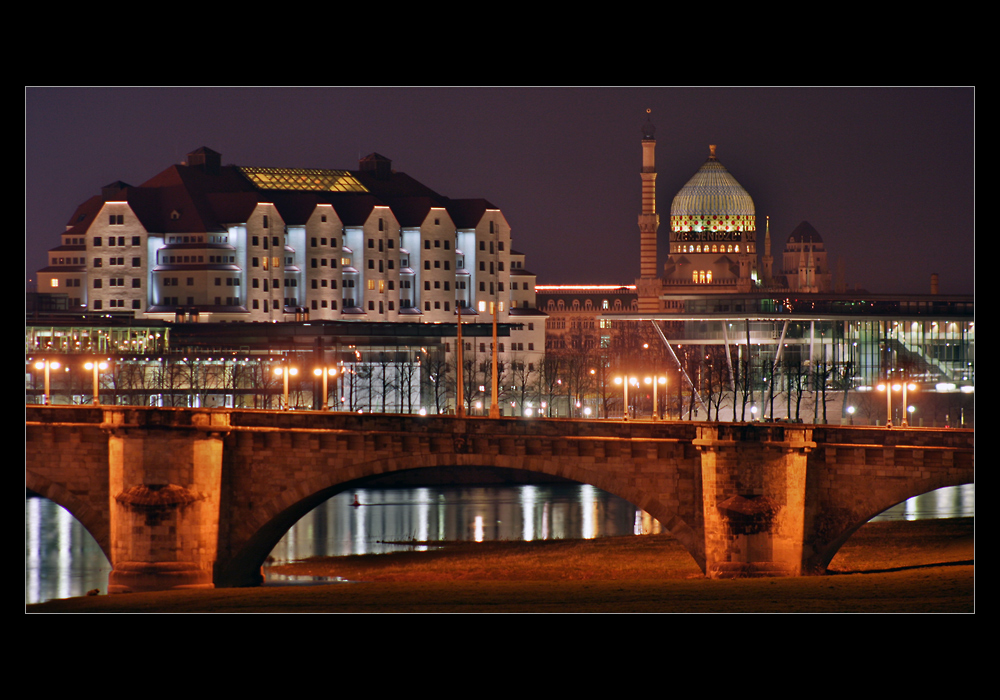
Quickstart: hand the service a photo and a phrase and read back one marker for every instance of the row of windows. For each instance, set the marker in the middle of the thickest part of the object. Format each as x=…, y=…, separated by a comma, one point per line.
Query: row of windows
x=68, y=261
x=714, y=248
x=322, y=242
x=98, y=304
x=71, y=282
x=112, y=241
x=114, y=282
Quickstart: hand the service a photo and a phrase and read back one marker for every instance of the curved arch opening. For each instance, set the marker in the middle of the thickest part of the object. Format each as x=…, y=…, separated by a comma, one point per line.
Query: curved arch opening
x=950, y=502
x=61, y=557
x=386, y=519
x=391, y=516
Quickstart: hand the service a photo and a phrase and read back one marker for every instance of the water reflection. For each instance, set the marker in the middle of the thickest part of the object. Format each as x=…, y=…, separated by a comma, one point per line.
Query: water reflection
x=393, y=519
x=61, y=559
x=955, y=502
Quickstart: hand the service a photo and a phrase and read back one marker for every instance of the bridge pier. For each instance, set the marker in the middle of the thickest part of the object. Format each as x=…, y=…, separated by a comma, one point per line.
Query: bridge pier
x=165, y=469
x=754, y=492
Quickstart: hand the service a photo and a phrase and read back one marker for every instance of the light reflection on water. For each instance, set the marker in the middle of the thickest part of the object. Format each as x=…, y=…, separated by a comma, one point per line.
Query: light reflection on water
x=393, y=519
x=62, y=560
x=954, y=502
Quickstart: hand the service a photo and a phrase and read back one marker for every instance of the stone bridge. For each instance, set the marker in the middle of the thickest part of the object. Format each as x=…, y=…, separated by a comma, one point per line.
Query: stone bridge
x=200, y=497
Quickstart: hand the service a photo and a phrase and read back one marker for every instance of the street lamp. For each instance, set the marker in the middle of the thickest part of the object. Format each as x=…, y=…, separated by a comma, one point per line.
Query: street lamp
x=656, y=404
x=324, y=372
x=45, y=364
x=626, y=380
x=888, y=389
x=96, y=366
x=284, y=372
x=911, y=387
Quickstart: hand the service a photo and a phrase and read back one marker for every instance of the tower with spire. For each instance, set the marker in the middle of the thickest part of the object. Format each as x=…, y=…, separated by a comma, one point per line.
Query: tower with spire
x=648, y=285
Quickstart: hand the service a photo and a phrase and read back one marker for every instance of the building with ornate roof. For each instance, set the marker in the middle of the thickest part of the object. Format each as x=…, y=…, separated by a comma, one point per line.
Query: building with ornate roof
x=207, y=242
x=713, y=241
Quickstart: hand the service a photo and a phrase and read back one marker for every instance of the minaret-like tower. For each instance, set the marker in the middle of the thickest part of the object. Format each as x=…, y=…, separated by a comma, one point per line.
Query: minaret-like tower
x=768, y=258
x=648, y=285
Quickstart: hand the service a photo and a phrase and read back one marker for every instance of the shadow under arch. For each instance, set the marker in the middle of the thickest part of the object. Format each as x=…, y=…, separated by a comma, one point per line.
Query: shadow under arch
x=276, y=517
x=819, y=562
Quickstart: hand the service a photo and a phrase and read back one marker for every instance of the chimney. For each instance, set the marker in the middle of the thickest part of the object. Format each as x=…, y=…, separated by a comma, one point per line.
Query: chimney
x=206, y=159
x=377, y=165
x=934, y=283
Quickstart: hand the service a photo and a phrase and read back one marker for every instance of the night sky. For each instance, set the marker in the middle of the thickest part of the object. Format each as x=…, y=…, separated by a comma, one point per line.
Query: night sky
x=885, y=175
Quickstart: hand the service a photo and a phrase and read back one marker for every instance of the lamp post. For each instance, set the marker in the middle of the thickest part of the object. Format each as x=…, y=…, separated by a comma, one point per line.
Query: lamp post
x=626, y=380
x=46, y=364
x=96, y=366
x=654, y=380
x=888, y=388
x=911, y=387
x=323, y=372
x=284, y=372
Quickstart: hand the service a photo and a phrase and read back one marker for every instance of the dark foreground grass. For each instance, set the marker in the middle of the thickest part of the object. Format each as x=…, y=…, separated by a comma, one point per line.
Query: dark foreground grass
x=924, y=566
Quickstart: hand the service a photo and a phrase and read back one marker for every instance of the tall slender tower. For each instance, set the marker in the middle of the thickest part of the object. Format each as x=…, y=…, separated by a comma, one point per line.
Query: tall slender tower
x=768, y=258
x=648, y=285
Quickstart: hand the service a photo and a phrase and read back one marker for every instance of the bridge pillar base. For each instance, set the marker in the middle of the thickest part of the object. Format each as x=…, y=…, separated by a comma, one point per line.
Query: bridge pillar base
x=753, y=487
x=136, y=577
x=164, y=482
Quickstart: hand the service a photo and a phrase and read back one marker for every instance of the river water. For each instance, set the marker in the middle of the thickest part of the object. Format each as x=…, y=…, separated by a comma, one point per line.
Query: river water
x=62, y=560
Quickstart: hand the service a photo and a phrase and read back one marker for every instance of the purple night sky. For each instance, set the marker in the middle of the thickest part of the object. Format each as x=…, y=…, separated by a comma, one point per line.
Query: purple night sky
x=885, y=175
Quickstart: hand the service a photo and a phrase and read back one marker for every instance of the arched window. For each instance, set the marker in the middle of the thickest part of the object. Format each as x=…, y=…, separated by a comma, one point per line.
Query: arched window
x=694, y=276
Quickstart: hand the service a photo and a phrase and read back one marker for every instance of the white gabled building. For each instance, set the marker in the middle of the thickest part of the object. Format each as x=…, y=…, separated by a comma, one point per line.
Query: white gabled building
x=207, y=242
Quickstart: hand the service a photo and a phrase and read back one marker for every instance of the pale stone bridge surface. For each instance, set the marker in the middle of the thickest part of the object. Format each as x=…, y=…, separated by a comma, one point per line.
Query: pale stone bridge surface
x=199, y=497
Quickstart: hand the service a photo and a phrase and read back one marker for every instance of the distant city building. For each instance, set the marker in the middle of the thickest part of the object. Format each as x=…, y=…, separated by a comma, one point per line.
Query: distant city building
x=713, y=241
x=718, y=291
x=208, y=242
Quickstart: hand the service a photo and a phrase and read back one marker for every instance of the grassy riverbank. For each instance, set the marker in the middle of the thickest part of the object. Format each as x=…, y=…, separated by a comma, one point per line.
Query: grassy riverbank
x=921, y=566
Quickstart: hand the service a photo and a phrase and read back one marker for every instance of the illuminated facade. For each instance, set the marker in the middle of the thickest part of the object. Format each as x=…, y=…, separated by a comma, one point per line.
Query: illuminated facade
x=713, y=242
x=206, y=242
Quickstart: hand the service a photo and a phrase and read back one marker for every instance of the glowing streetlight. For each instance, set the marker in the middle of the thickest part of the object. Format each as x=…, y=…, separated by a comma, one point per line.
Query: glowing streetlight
x=284, y=372
x=888, y=389
x=911, y=387
x=45, y=364
x=324, y=372
x=96, y=366
x=656, y=404
x=626, y=380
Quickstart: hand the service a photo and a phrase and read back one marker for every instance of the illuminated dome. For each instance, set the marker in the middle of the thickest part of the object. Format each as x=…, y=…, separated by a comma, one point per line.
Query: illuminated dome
x=712, y=200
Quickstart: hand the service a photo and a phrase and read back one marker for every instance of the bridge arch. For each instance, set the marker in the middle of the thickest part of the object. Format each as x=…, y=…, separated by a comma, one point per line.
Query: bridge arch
x=270, y=520
x=838, y=534
x=92, y=519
